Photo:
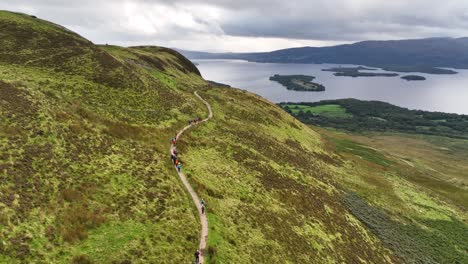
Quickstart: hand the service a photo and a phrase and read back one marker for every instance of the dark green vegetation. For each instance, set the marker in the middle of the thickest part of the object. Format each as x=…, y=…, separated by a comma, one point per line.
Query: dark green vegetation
x=298, y=82
x=411, y=55
x=380, y=116
x=413, y=78
x=356, y=72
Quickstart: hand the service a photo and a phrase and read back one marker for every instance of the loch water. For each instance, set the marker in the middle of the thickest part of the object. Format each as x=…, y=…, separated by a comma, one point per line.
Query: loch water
x=443, y=93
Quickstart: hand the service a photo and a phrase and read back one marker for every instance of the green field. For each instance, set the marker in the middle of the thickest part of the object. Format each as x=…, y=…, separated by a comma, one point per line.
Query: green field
x=332, y=110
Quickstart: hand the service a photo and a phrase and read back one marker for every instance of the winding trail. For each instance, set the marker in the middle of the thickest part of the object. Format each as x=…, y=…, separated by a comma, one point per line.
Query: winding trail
x=195, y=198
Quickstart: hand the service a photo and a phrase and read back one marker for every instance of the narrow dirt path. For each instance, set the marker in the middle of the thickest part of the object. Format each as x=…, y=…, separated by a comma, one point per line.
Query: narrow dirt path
x=193, y=194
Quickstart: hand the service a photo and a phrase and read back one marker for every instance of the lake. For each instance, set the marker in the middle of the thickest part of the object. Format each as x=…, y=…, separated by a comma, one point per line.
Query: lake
x=443, y=93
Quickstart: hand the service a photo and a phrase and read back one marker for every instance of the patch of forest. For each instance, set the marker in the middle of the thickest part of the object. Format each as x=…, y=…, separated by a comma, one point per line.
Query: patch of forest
x=380, y=116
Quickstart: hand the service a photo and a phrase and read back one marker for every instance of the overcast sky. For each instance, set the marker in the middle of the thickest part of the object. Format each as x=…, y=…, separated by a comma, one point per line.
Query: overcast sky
x=250, y=25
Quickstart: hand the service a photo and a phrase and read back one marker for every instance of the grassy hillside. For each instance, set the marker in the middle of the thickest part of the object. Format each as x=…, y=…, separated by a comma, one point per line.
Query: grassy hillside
x=83, y=142
x=270, y=192
x=85, y=175
x=410, y=190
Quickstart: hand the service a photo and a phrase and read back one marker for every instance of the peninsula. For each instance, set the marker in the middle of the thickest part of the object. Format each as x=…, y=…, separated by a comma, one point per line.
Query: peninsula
x=356, y=72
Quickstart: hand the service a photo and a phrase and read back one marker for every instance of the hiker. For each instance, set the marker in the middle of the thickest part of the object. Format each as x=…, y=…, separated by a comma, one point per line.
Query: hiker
x=202, y=202
x=176, y=162
x=174, y=157
x=203, y=209
x=197, y=256
x=179, y=166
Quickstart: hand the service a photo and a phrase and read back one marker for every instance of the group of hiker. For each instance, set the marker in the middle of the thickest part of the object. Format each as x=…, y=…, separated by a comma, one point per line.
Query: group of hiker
x=178, y=165
x=197, y=252
x=174, y=158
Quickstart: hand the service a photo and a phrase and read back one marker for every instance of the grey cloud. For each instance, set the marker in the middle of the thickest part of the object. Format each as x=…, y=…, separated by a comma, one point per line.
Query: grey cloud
x=325, y=20
x=341, y=21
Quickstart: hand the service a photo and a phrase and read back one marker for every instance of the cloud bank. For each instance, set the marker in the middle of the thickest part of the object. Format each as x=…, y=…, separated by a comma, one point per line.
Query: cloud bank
x=250, y=25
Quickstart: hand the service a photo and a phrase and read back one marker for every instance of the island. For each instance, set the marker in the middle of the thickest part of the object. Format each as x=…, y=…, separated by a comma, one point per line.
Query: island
x=356, y=72
x=413, y=78
x=420, y=69
x=298, y=82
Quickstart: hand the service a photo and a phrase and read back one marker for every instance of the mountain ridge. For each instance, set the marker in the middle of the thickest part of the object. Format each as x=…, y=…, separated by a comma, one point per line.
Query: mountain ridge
x=418, y=55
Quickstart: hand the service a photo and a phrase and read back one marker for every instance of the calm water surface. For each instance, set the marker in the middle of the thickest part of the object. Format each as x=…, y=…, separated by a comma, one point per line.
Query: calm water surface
x=444, y=93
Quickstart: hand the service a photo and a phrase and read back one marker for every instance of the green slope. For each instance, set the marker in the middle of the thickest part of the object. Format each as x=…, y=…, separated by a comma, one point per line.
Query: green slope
x=270, y=190
x=84, y=136
x=85, y=174
x=409, y=190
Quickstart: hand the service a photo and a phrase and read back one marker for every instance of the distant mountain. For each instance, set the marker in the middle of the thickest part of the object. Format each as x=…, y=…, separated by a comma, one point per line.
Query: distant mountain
x=420, y=55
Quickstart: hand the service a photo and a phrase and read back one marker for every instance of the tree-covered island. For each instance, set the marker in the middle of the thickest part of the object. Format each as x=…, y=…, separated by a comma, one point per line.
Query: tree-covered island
x=298, y=82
